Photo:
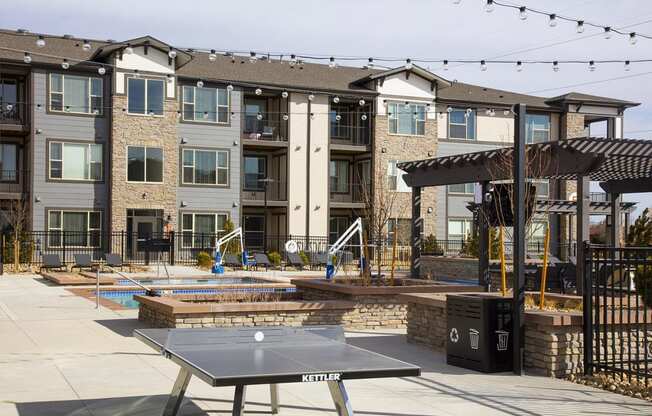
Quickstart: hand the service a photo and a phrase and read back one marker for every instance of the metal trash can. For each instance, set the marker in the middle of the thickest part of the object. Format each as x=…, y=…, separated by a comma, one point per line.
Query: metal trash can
x=479, y=332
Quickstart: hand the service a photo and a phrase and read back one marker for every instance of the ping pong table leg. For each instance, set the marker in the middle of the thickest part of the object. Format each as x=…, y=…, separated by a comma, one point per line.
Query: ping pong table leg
x=178, y=391
x=239, y=400
x=273, y=392
x=340, y=398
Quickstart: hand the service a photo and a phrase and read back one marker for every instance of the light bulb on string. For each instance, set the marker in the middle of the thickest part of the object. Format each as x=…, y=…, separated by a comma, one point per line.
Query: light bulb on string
x=370, y=63
x=332, y=64
x=212, y=56
x=86, y=46
x=312, y=116
x=252, y=57
x=489, y=7
x=286, y=117
x=200, y=84
x=468, y=112
x=449, y=109
x=284, y=94
x=229, y=88
x=27, y=58
x=129, y=50
x=293, y=60
x=101, y=70
x=65, y=64
x=338, y=117
x=522, y=12
x=172, y=54
x=363, y=117
x=632, y=38
x=505, y=112
x=591, y=66
x=361, y=103
x=552, y=22
x=408, y=64
x=555, y=66
x=627, y=66
x=259, y=116
x=336, y=99
x=607, y=32
x=258, y=91
x=40, y=42
x=580, y=26
x=311, y=97
x=232, y=115
x=519, y=66
x=483, y=65
x=445, y=64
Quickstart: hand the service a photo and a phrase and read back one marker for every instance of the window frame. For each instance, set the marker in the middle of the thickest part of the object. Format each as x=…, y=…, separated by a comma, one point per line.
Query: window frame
x=146, y=102
x=262, y=233
x=392, y=225
x=348, y=177
x=465, y=220
x=192, y=232
x=89, y=230
x=529, y=131
x=392, y=165
x=63, y=143
x=244, y=172
x=16, y=171
x=465, y=193
x=89, y=93
x=393, y=115
x=217, y=105
x=194, y=150
x=145, y=165
x=465, y=124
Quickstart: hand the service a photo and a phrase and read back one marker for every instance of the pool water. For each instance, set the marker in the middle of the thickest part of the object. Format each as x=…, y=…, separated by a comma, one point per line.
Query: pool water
x=126, y=297
x=215, y=281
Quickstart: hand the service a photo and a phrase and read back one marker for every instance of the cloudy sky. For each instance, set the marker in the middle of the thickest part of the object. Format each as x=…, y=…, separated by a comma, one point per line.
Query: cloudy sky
x=436, y=29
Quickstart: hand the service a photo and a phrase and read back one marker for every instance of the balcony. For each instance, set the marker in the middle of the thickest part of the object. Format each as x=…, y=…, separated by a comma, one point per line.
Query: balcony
x=12, y=117
x=349, y=195
x=267, y=192
x=350, y=127
x=14, y=184
x=263, y=121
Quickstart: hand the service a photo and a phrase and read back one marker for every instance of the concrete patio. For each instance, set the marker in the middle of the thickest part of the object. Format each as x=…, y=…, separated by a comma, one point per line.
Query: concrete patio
x=61, y=356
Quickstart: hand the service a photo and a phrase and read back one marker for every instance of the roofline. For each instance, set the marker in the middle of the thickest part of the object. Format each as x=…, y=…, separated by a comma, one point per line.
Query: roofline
x=618, y=104
x=497, y=105
x=416, y=70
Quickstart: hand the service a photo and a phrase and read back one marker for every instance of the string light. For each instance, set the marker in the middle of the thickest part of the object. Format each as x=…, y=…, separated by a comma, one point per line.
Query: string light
x=229, y=88
x=331, y=63
x=101, y=70
x=65, y=64
x=607, y=32
x=370, y=63
x=86, y=46
x=555, y=66
x=627, y=67
x=200, y=84
x=336, y=99
x=129, y=50
x=40, y=42
x=252, y=57
x=632, y=38
x=445, y=65
x=27, y=58
x=552, y=22
x=284, y=94
x=293, y=60
x=489, y=7
x=363, y=117
x=172, y=53
x=580, y=26
x=522, y=12
x=483, y=65
x=449, y=109
x=286, y=117
x=311, y=97
x=259, y=116
x=212, y=56
x=591, y=66
x=361, y=103
x=408, y=64
x=519, y=66
x=338, y=117
x=258, y=91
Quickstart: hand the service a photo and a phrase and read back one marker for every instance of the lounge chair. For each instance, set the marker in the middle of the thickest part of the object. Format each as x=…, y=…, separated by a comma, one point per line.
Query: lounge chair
x=231, y=260
x=115, y=261
x=82, y=261
x=52, y=261
x=261, y=259
x=319, y=259
x=294, y=260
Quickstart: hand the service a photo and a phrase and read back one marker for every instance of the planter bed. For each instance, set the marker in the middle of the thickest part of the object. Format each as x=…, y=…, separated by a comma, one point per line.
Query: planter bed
x=553, y=339
x=74, y=279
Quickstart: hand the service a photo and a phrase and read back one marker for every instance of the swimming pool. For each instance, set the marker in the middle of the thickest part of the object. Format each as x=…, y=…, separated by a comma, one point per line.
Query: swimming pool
x=126, y=297
x=194, y=281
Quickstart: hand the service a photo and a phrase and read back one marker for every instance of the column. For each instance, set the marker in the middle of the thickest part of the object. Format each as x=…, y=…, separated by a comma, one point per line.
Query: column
x=417, y=228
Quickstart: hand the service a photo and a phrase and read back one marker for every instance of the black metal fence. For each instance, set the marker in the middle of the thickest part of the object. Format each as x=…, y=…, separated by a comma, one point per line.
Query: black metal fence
x=618, y=311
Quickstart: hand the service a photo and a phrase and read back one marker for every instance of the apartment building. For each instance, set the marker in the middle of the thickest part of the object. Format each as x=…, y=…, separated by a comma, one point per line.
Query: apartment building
x=140, y=136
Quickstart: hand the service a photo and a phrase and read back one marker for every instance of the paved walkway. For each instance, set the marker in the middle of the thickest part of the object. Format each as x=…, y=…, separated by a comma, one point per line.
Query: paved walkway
x=60, y=356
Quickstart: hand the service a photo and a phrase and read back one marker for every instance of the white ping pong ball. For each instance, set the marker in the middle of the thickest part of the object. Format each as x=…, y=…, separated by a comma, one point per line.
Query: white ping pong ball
x=259, y=336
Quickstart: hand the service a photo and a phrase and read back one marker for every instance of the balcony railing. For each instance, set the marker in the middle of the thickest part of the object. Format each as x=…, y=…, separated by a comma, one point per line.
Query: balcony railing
x=349, y=192
x=11, y=113
x=267, y=129
x=270, y=190
x=14, y=181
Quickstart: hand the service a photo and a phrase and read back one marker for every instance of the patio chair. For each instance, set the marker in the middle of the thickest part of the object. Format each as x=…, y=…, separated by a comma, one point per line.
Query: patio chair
x=294, y=260
x=115, y=261
x=82, y=261
x=261, y=259
x=231, y=260
x=318, y=259
x=52, y=261
x=567, y=277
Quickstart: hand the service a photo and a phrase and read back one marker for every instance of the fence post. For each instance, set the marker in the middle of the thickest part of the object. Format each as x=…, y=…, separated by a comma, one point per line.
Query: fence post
x=2, y=255
x=587, y=306
x=122, y=244
x=63, y=246
x=173, y=243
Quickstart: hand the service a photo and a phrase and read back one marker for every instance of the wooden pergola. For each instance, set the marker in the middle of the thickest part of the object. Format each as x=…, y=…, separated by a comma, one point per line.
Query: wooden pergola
x=621, y=165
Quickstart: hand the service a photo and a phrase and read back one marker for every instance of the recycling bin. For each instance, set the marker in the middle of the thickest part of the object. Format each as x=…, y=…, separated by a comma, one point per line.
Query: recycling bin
x=479, y=335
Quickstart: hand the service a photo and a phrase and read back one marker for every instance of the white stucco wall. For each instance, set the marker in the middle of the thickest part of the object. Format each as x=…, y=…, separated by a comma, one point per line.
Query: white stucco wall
x=297, y=156
x=319, y=161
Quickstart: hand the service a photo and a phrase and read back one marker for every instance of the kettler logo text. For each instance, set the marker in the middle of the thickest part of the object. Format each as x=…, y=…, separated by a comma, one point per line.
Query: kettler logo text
x=309, y=378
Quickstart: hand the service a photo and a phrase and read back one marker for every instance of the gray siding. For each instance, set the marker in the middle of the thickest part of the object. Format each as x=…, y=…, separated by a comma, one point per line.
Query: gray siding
x=64, y=127
x=213, y=199
x=454, y=206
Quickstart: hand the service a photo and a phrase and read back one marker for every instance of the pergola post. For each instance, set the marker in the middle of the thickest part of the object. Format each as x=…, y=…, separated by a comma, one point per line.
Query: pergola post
x=518, y=304
x=483, y=241
x=417, y=228
x=582, y=224
x=616, y=221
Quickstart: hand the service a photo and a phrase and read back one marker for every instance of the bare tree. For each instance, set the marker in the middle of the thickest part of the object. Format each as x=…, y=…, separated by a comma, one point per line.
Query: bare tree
x=17, y=216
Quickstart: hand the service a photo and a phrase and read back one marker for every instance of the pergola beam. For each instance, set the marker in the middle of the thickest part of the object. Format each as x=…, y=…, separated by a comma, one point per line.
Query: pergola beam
x=627, y=186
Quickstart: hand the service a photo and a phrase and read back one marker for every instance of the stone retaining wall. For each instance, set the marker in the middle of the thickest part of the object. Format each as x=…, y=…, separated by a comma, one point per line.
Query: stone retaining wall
x=436, y=267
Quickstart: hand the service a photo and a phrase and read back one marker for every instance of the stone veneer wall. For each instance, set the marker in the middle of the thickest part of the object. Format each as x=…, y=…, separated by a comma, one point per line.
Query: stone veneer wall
x=572, y=126
x=404, y=148
x=434, y=267
x=141, y=130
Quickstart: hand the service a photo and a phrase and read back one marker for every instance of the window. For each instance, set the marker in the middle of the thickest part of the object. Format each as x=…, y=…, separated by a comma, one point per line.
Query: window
x=144, y=164
x=75, y=161
x=205, y=167
x=337, y=227
x=145, y=96
x=339, y=176
x=341, y=129
x=9, y=108
x=401, y=228
x=254, y=173
x=200, y=229
x=537, y=128
x=8, y=162
x=254, y=231
x=75, y=94
x=459, y=229
x=74, y=228
x=542, y=186
x=253, y=108
x=210, y=105
x=395, y=177
x=461, y=124
x=462, y=188
x=407, y=119
x=537, y=232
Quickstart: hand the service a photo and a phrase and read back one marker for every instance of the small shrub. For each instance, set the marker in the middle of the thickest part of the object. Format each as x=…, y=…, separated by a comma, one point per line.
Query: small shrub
x=643, y=282
x=304, y=257
x=204, y=259
x=431, y=246
x=274, y=258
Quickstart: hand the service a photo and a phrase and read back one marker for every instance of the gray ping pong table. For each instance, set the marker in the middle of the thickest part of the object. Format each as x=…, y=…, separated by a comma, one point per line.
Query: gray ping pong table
x=268, y=355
